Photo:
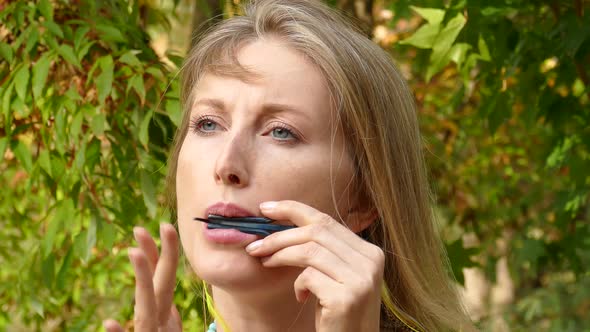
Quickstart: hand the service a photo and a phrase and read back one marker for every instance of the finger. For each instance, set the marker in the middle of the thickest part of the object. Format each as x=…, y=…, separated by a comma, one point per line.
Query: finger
x=303, y=215
x=165, y=275
x=311, y=254
x=337, y=302
x=111, y=325
x=316, y=282
x=321, y=234
x=174, y=323
x=145, y=318
x=148, y=245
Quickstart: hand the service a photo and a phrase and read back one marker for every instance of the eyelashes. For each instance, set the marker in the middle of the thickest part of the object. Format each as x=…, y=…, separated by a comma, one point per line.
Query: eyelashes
x=206, y=125
x=197, y=123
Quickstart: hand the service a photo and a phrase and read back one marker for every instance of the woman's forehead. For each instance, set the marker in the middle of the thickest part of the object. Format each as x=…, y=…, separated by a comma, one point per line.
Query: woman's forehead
x=269, y=72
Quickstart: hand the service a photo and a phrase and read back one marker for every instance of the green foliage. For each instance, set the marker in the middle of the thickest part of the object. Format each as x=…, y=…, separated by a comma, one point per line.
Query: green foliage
x=507, y=117
x=88, y=111
x=84, y=142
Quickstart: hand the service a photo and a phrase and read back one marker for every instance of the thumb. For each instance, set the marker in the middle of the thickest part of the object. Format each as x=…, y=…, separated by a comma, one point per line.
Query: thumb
x=111, y=325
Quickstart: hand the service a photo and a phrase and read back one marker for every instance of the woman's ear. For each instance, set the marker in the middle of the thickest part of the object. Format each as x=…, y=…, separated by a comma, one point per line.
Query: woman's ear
x=361, y=217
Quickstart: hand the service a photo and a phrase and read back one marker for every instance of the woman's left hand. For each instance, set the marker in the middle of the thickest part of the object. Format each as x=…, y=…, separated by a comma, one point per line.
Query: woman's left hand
x=341, y=269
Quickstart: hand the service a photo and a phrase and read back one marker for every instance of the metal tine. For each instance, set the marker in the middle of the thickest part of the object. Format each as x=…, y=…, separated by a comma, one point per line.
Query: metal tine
x=257, y=220
x=268, y=227
x=249, y=230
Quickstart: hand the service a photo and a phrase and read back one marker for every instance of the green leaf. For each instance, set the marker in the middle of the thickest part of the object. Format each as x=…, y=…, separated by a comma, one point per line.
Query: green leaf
x=110, y=33
x=3, y=145
x=21, y=110
x=423, y=37
x=90, y=238
x=21, y=80
x=130, y=59
x=80, y=246
x=40, y=73
x=67, y=53
x=104, y=81
x=560, y=151
x=441, y=50
x=32, y=40
x=84, y=49
x=458, y=52
x=46, y=9
x=60, y=280
x=93, y=154
x=460, y=258
x=107, y=233
x=54, y=28
x=438, y=60
x=449, y=33
x=60, y=130
x=136, y=82
x=484, y=52
x=44, y=162
x=434, y=16
x=76, y=125
x=22, y=153
x=50, y=41
x=6, y=52
x=144, y=128
x=79, y=35
x=80, y=158
x=6, y=98
x=174, y=111
x=98, y=124
x=64, y=212
x=48, y=270
x=149, y=193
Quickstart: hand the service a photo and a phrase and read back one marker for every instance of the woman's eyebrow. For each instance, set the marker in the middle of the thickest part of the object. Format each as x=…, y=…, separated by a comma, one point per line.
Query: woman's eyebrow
x=211, y=102
x=273, y=108
x=267, y=108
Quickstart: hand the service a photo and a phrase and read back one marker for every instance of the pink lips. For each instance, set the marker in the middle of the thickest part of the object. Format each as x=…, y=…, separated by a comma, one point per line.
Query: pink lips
x=227, y=236
x=228, y=210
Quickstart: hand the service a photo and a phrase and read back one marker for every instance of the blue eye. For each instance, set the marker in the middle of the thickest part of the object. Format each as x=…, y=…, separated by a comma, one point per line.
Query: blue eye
x=282, y=134
x=207, y=125
x=204, y=125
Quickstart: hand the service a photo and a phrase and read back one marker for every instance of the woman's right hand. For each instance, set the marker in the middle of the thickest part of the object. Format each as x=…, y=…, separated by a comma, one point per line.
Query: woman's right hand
x=155, y=280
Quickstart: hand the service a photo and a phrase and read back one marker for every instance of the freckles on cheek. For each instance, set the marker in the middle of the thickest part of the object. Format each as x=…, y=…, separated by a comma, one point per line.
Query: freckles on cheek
x=303, y=178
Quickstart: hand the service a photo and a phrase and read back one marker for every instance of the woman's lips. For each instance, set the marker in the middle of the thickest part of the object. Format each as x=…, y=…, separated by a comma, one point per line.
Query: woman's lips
x=228, y=210
x=227, y=236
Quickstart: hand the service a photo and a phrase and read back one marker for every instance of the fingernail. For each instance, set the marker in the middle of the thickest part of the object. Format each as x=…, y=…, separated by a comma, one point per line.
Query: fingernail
x=254, y=245
x=268, y=205
x=131, y=254
x=135, y=232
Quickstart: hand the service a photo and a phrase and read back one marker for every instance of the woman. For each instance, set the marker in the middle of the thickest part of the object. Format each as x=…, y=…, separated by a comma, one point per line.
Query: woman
x=292, y=114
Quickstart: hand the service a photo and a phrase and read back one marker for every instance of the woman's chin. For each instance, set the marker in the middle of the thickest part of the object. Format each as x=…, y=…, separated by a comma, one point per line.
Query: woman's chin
x=242, y=272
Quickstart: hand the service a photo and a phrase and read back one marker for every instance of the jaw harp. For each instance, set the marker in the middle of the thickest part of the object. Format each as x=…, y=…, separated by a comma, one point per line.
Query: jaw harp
x=251, y=225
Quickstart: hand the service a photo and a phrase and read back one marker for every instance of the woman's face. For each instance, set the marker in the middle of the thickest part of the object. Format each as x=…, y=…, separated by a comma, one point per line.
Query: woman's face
x=256, y=141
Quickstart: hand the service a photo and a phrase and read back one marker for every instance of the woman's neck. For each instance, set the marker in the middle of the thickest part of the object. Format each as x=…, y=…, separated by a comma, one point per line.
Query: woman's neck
x=244, y=312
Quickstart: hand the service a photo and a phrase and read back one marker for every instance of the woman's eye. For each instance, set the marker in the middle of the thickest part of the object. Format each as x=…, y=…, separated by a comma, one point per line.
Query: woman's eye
x=207, y=125
x=282, y=134
x=204, y=126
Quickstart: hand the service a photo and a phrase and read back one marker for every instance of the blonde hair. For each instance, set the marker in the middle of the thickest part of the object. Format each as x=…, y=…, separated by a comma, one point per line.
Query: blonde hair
x=377, y=112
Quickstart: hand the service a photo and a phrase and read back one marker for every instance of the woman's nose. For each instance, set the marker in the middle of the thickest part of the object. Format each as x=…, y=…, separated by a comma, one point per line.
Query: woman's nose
x=231, y=167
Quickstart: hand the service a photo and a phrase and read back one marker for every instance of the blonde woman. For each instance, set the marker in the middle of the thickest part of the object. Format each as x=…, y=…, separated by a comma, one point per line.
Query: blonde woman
x=292, y=114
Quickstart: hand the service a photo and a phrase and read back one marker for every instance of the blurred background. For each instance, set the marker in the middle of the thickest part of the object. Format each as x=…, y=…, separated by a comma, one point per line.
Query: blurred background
x=89, y=105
